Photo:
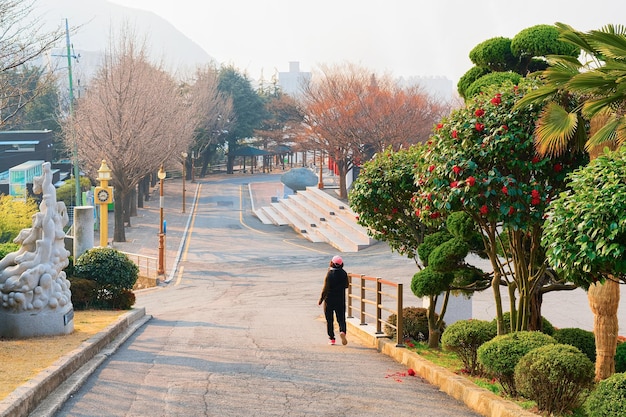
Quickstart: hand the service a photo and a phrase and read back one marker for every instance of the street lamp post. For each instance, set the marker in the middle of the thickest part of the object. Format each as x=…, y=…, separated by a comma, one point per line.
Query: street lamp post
x=161, y=267
x=184, y=155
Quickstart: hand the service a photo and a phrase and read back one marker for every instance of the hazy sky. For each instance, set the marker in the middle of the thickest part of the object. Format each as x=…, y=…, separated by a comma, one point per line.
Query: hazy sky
x=403, y=37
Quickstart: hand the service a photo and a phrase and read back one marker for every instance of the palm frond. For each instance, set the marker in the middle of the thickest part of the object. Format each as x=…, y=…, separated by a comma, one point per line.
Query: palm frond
x=602, y=105
x=537, y=96
x=605, y=135
x=610, y=45
x=620, y=131
x=570, y=35
x=593, y=82
x=555, y=130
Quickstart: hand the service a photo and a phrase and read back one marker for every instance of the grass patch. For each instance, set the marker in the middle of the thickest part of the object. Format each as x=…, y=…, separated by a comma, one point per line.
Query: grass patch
x=21, y=360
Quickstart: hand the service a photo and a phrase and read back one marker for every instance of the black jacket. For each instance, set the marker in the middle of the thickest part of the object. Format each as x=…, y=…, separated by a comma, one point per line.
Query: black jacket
x=335, y=284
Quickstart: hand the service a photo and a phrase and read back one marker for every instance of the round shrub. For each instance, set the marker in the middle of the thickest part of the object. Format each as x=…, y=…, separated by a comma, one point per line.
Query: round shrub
x=584, y=340
x=555, y=377
x=608, y=399
x=620, y=358
x=414, y=324
x=500, y=355
x=464, y=338
x=114, y=274
x=110, y=268
x=84, y=293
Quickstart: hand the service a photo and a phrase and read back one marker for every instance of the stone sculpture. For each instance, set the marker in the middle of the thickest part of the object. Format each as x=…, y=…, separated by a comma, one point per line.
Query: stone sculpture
x=32, y=279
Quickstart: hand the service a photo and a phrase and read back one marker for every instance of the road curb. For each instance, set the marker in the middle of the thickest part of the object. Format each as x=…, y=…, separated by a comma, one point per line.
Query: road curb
x=27, y=397
x=477, y=399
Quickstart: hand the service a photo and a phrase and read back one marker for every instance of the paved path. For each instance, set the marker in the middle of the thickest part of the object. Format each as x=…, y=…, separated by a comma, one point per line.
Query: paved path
x=237, y=329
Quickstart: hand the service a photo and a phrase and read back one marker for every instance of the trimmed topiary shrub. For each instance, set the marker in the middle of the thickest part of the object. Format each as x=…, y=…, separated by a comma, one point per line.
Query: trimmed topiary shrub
x=554, y=376
x=620, y=358
x=113, y=272
x=84, y=293
x=584, y=340
x=464, y=338
x=500, y=355
x=608, y=399
x=415, y=324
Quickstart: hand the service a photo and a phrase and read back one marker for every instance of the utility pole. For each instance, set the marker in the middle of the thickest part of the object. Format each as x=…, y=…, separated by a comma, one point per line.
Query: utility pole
x=69, y=71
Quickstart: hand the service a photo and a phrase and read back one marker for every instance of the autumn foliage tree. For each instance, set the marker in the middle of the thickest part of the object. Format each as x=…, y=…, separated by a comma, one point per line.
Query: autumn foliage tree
x=134, y=116
x=350, y=114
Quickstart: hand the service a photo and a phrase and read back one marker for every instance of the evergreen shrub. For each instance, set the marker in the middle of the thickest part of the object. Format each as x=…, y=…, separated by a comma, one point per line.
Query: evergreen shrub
x=500, y=355
x=464, y=338
x=556, y=377
x=608, y=399
x=113, y=272
x=584, y=340
x=414, y=324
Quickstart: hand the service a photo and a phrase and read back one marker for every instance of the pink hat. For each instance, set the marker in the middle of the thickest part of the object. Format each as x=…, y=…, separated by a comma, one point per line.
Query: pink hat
x=337, y=260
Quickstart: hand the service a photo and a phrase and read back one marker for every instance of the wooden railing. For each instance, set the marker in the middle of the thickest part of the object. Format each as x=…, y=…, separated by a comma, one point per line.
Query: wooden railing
x=369, y=291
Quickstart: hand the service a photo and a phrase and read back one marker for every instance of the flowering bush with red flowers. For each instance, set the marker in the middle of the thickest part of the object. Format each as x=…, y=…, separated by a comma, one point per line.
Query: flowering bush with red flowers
x=510, y=188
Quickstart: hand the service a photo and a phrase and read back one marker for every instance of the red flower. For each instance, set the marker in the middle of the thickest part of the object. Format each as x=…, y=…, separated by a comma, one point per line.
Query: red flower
x=479, y=126
x=511, y=210
x=431, y=168
x=534, y=193
x=454, y=184
x=535, y=201
x=439, y=125
x=505, y=190
x=484, y=210
x=417, y=213
x=479, y=113
x=558, y=167
x=394, y=210
x=411, y=371
x=455, y=134
x=536, y=159
x=496, y=100
x=435, y=215
x=505, y=127
x=456, y=169
x=470, y=181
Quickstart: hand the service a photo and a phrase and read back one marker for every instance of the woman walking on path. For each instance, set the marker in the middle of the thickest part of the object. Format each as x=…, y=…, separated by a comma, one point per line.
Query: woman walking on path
x=334, y=299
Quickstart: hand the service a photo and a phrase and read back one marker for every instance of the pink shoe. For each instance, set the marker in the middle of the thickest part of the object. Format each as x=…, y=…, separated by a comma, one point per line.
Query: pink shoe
x=331, y=342
x=344, y=341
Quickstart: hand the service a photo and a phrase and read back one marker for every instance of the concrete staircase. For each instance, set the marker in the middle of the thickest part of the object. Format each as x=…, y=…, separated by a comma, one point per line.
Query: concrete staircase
x=319, y=217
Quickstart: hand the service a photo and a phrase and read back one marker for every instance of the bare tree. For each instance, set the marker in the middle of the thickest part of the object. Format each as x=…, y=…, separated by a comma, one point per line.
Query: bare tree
x=135, y=116
x=22, y=40
x=351, y=113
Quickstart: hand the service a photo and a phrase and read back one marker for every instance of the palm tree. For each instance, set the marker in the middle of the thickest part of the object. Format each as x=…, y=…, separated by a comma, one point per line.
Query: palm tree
x=587, y=109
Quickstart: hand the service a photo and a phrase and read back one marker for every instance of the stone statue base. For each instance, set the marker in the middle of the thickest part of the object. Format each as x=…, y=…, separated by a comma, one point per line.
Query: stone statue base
x=22, y=325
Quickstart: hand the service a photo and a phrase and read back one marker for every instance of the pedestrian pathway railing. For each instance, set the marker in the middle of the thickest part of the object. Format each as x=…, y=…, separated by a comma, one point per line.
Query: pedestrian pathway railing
x=147, y=264
x=369, y=297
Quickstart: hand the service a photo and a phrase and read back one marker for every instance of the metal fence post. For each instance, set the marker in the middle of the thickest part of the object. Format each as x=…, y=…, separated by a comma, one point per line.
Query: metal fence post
x=379, y=310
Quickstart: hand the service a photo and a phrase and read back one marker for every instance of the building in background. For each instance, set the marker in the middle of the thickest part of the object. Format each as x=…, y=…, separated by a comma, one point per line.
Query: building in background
x=291, y=82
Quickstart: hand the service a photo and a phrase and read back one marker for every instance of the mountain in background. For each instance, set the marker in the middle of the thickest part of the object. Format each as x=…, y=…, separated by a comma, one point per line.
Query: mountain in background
x=97, y=20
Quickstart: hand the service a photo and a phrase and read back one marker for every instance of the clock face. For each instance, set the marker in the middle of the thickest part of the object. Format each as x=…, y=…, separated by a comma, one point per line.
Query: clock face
x=103, y=195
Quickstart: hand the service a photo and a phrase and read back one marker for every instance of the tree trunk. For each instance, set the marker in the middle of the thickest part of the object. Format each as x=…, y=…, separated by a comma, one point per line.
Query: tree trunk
x=119, y=233
x=604, y=301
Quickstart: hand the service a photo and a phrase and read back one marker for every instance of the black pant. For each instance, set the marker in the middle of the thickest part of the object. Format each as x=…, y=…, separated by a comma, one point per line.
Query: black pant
x=339, y=310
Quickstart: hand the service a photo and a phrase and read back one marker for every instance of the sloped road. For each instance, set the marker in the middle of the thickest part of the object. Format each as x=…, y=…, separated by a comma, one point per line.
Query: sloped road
x=238, y=332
